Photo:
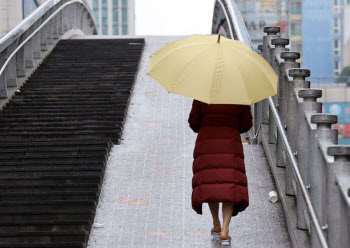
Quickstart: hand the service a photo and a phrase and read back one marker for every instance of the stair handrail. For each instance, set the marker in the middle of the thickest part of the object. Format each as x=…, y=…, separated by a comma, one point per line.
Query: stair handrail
x=35, y=32
x=242, y=35
x=32, y=18
x=30, y=41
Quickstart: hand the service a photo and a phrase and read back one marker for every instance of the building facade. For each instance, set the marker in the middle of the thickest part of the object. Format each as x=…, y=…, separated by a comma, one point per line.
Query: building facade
x=346, y=37
x=114, y=17
x=14, y=11
x=260, y=13
x=296, y=31
x=323, y=32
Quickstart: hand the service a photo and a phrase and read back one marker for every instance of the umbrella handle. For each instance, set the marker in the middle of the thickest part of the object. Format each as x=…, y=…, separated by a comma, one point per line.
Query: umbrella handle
x=219, y=38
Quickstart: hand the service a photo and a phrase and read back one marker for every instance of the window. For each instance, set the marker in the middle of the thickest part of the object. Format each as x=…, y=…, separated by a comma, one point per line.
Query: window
x=124, y=3
x=296, y=28
x=336, y=48
x=115, y=29
x=115, y=17
x=28, y=7
x=124, y=16
x=104, y=29
x=125, y=29
x=336, y=6
x=336, y=44
x=336, y=25
x=337, y=68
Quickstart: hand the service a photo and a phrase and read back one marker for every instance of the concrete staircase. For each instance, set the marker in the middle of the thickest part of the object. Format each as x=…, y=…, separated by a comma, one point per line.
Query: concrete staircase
x=55, y=136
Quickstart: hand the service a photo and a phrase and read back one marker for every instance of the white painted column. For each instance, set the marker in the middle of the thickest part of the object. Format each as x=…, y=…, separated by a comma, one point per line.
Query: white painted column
x=99, y=17
x=131, y=17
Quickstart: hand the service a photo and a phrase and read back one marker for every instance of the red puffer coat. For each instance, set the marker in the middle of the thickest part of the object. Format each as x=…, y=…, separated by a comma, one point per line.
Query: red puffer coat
x=218, y=166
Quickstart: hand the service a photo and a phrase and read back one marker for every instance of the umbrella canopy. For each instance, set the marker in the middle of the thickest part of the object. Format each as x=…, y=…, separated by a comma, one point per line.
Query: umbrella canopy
x=214, y=70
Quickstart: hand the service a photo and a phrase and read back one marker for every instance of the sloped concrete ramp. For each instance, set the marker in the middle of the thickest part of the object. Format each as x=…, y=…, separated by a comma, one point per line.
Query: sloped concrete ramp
x=146, y=193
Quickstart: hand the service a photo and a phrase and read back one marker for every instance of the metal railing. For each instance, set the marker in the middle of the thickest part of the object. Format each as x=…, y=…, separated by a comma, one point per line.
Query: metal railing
x=311, y=171
x=24, y=46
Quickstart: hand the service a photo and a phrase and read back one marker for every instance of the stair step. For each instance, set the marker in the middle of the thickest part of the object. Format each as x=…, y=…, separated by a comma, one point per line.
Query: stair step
x=50, y=225
x=43, y=237
x=37, y=180
x=46, y=215
x=46, y=187
x=47, y=205
x=52, y=195
x=56, y=133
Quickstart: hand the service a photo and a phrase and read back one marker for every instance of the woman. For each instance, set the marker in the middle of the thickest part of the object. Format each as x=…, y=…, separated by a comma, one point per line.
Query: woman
x=218, y=166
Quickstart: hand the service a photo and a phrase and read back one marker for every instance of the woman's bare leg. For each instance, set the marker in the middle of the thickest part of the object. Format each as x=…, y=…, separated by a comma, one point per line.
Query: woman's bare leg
x=214, y=209
x=227, y=210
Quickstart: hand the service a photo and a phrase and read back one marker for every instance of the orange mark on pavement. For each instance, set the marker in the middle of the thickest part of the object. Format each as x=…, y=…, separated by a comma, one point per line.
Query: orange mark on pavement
x=196, y=234
x=190, y=141
x=161, y=173
x=264, y=156
x=139, y=203
x=128, y=200
x=169, y=105
x=153, y=92
x=150, y=124
x=158, y=234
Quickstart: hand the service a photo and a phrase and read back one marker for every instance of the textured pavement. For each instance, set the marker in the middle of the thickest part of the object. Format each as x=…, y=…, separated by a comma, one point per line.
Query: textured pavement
x=146, y=194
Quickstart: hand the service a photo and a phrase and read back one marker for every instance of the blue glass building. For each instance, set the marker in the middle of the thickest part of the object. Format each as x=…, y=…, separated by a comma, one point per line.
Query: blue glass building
x=322, y=39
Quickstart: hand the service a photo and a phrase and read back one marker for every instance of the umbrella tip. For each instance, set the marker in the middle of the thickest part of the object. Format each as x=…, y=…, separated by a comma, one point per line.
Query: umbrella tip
x=219, y=38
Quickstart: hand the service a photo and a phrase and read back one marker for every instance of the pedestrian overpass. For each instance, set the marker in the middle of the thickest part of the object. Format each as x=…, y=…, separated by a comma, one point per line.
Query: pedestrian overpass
x=96, y=154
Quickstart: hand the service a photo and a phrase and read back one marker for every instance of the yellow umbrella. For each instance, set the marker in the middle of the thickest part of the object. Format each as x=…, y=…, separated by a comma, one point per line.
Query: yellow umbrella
x=214, y=70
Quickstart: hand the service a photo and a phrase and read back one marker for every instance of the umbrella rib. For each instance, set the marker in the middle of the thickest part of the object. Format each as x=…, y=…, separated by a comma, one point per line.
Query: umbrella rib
x=258, y=64
x=177, y=50
x=217, y=77
x=173, y=85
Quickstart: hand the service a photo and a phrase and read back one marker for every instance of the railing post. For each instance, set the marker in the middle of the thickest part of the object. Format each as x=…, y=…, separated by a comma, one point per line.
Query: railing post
x=308, y=106
x=298, y=82
x=28, y=54
x=3, y=85
x=283, y=89
x=36, y=43
x=49, y=31
x=323, y=135
x=271, y=34
x=340, y=166
x=60, y=23
x=20, y=65
x=11, y=75
x=43, y=38
x=54, y=26
x=279, y=44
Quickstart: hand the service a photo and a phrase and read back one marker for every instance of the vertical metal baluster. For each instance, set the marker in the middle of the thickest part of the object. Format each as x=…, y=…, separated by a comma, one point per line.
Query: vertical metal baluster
x=317, y=170
x=289, y=62
x=298, y=75
x=271, y=34
x=308, y=106
x=341, y=166
x=279, y=44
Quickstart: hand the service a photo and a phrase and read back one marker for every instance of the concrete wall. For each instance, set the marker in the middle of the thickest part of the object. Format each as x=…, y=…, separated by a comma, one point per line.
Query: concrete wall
x=10, y=15
x=333, y=93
